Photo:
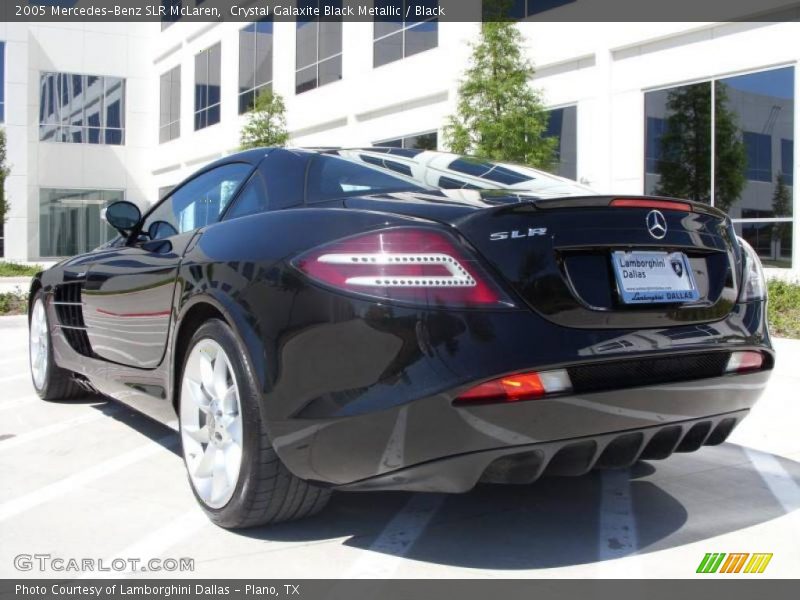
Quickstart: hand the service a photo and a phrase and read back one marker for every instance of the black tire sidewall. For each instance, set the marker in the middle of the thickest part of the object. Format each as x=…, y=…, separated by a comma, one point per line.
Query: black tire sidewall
x=232, y=512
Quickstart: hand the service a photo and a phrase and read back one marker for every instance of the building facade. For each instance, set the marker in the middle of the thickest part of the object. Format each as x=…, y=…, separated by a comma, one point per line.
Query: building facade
x=96, y=112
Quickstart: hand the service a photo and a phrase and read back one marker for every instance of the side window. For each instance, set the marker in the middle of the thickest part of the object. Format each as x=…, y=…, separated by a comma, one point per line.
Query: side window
x=252, y=200
x=197, y=203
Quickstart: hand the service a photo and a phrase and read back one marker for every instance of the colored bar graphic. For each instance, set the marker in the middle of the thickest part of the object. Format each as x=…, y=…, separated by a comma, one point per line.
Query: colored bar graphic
x=710, y=562
x=758, y=563
x=734, y=563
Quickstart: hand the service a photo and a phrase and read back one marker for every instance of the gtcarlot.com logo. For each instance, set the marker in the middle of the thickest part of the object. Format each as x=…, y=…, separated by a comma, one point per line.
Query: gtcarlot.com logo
x=48, y=562
x=735, y=562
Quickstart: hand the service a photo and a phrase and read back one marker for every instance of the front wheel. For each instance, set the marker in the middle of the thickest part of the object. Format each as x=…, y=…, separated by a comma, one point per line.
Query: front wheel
x=234, y=472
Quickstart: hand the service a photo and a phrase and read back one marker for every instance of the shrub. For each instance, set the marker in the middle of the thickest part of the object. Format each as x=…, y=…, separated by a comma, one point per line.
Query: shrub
x=784, y=308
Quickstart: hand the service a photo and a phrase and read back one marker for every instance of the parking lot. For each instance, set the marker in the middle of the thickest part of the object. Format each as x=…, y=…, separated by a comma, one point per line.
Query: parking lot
x=91, y=479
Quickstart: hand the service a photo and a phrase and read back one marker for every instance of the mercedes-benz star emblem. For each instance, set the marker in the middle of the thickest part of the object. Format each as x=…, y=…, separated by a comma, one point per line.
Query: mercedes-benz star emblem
x=656, y=224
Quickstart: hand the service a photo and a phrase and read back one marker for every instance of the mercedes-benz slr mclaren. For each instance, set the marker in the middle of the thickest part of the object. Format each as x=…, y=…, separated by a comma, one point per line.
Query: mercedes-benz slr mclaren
x=398, y=319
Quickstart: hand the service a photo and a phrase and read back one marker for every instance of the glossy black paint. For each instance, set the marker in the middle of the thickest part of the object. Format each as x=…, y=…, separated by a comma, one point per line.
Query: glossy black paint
x=352, y=388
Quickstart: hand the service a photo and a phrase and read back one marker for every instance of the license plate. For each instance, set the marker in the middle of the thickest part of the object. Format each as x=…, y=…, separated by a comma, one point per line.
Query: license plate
x=654, y=277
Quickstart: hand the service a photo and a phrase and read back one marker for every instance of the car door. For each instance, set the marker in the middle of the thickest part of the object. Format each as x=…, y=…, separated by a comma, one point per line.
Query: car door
x=128, y=293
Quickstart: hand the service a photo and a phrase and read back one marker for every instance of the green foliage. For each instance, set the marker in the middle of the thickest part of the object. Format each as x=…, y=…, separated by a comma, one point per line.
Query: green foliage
x=782, y=207
x=4, y=204
x=13, y=303
x=499, y=114
x=10, y=269
x=685, y=164
x=266, y=123
x=783, y=308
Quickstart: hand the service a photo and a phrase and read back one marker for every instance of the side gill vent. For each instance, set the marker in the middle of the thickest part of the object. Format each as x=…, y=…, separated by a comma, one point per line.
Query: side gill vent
x=69, y=309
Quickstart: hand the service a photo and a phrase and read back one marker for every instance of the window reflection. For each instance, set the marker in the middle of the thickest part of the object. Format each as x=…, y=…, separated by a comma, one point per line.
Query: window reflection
x=255, y=63
x=394, y=40
x=208, y=80
x=563, y=125
x=678, y=148
x=169, y=119
x=69, y=220
x=319, y=49
x=422, y=141
x=753, y=152
x=81, y=109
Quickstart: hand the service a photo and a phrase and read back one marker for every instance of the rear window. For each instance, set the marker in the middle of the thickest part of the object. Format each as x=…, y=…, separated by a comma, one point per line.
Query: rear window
x=330, y=177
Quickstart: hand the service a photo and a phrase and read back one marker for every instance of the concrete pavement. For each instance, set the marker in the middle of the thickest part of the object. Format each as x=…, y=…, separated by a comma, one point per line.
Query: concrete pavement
x=91, y=479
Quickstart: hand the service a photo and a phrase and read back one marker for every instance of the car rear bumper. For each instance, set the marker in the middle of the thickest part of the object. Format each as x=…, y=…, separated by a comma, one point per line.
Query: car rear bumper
x=525, y=464
x=432, y=445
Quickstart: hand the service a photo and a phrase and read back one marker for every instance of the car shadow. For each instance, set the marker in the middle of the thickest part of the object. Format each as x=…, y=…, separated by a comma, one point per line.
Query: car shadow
x=555, y=522
x=561, y=521
x=149, y=428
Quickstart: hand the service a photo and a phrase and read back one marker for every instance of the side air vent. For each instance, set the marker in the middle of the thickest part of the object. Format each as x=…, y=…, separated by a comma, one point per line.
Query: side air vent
x=69, y=309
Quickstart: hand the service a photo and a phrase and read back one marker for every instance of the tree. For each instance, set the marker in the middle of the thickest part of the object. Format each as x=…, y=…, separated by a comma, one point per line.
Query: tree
x=4, y=204
x=499, y=115
x=781, y=207
x=266, y=122
x=685, y=163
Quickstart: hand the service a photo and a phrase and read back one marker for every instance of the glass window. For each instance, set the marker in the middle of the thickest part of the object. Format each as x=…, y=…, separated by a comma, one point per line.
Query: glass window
x=519, y=9
x=2, y=85
x=81, y=109
x=331, y=177
x=70, y=222
x=255, y=63
x=563, y=125
x=758, y=147
x=207, y=77
x=678, y=142
x=395, y=40
x=422, y=141
x=750, y=175
x=319, y=48
x=787, y=161
x=252, y=200
x=171, y=12
x=201, y=200
x=170, y=106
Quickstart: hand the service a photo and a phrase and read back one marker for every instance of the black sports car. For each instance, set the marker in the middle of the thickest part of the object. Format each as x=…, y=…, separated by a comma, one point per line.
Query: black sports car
x=396, y=319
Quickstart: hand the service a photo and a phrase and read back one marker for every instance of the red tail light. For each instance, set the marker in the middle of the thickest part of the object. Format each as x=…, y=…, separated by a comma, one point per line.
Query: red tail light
x=415, y=265
x=646, y=203
x=522, y=386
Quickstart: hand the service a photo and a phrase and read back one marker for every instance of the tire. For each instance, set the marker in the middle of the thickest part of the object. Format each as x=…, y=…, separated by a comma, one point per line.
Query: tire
x=215, y=391
x=50, y=381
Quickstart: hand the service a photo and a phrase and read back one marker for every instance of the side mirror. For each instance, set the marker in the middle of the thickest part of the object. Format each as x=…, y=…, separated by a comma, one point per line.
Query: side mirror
x=159, y=230
x=123, y=216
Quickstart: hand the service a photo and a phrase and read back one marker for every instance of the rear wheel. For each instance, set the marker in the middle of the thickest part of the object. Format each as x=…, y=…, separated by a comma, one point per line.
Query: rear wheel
x=50, y=381
x=234, y=472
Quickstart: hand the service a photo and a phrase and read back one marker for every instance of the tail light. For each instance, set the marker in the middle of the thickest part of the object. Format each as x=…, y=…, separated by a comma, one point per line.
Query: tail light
x=522, y=386
x=742, y=362
x=754, y=286
x=407, y=264
x=648, y=203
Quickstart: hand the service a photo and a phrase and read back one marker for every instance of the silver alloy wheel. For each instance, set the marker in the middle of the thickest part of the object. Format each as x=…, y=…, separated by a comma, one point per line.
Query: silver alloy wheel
x=37, y=344
x=211, y=423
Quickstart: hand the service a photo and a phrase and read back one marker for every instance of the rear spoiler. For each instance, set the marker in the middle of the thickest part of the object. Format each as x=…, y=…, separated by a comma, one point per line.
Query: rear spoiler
x=654, y=202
